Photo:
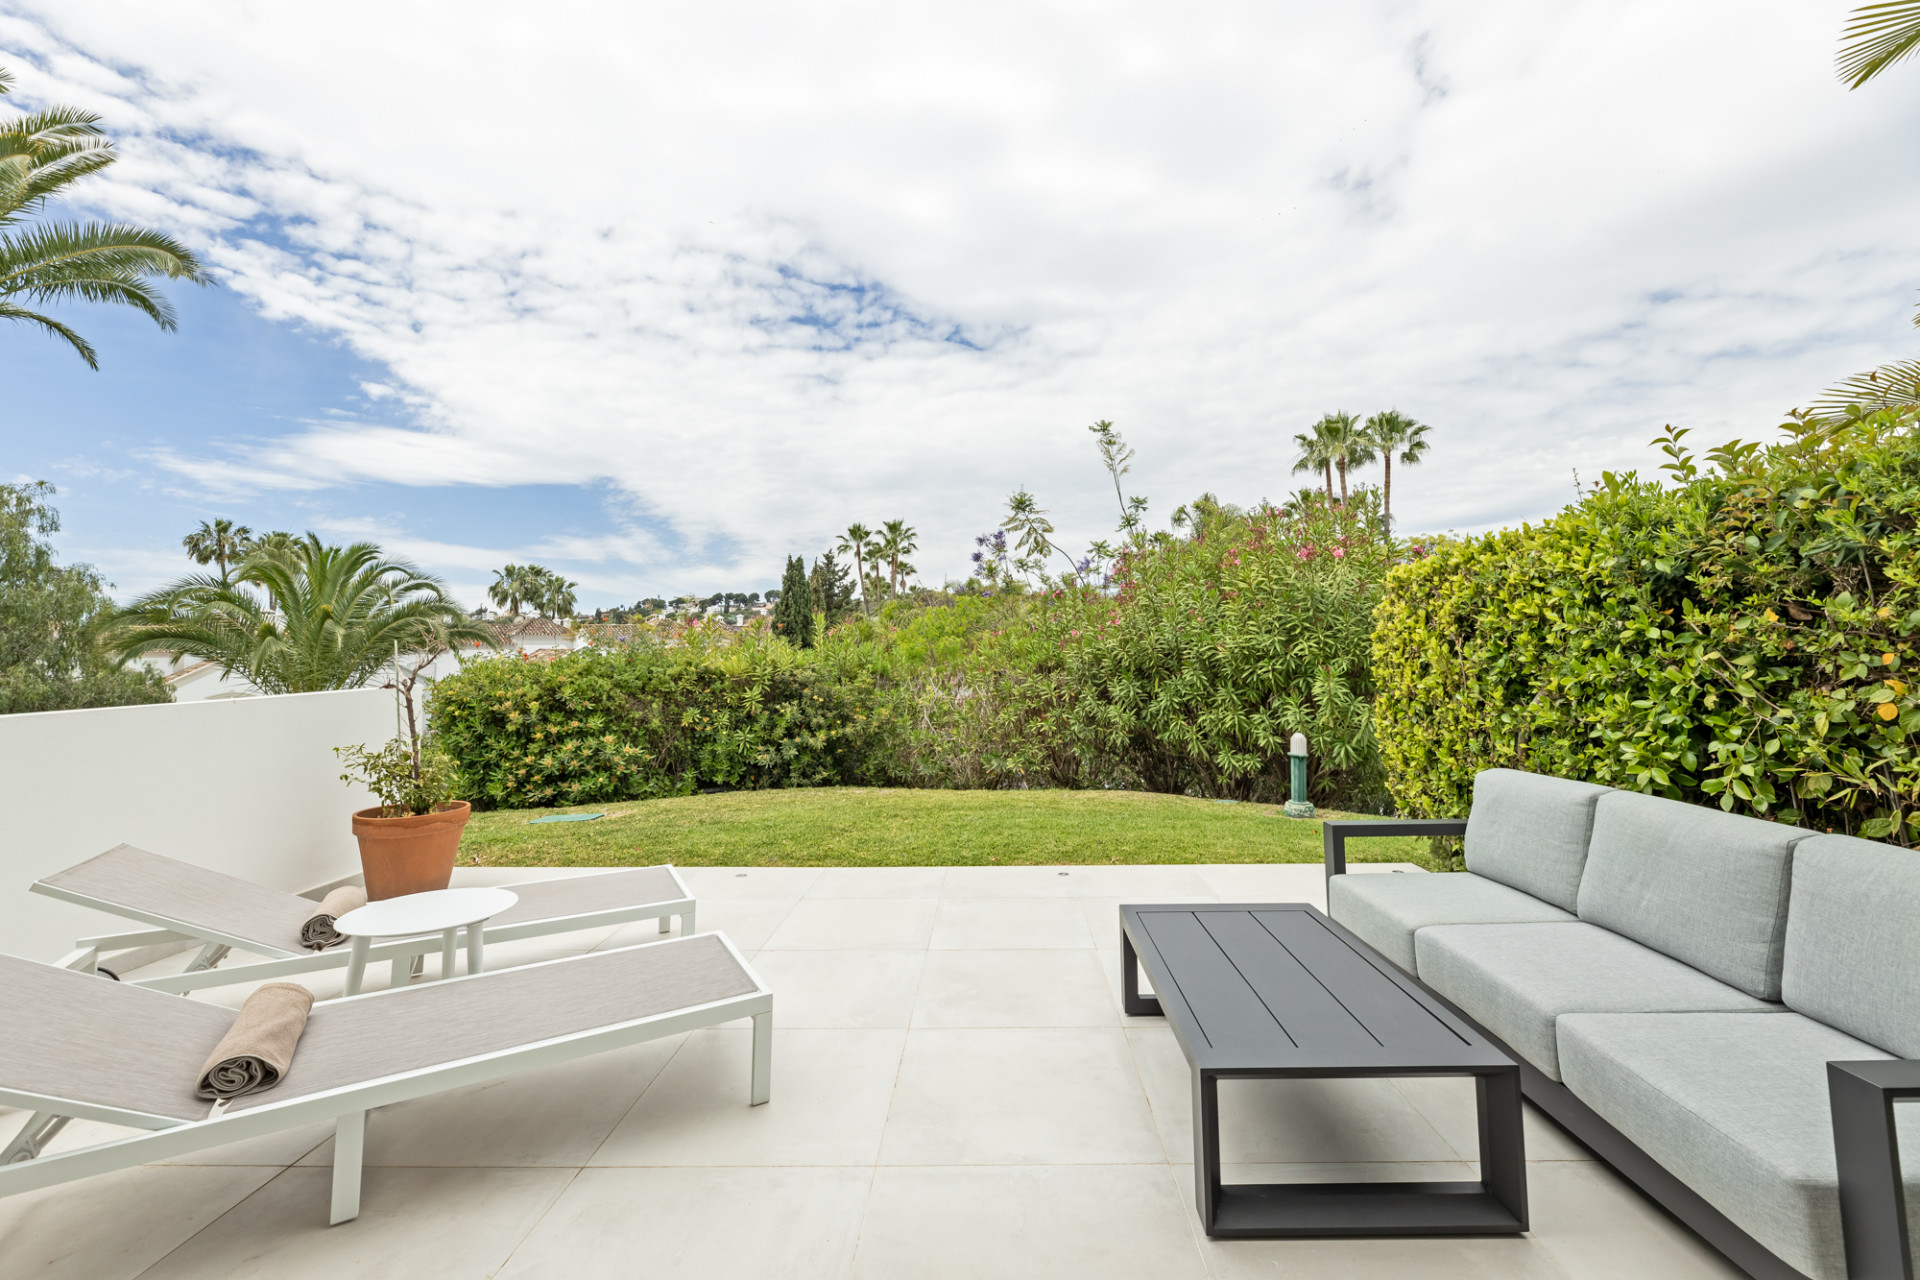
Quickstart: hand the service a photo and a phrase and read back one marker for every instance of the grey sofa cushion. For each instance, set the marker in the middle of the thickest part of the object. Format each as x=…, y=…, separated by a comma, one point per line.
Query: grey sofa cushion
x=1706, y=887
x=1388, y=909
x=1530, y=831
x=1516, y=980
x=1735, y=1105
x=1853, y=940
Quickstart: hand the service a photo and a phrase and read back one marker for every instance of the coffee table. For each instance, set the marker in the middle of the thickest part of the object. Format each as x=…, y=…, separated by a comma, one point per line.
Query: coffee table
x=1268, y=991
x=441, y=911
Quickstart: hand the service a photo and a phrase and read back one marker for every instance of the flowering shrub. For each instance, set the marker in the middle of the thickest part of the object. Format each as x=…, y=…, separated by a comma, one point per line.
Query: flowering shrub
x=1737, y=639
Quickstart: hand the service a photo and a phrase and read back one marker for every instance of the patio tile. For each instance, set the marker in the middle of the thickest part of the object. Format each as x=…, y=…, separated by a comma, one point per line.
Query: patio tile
x=1598, y=1226
x=554, y=1117
x=789, y=883
x=1111, y=1221
x=855, y=924
x=878, y=882
x=1285, y=1121
x=1141, y=884
x=413, y=1222
x=830, y=1091
x=841, y=988
x=748, y=922
x=1009, y=882
x=1014, y=989
x=1007, y=1096
x=798, y=1223
x=1448, y=1104
x=1267, y=881
x=1110, y=971
x=119, y=1224
x=1008, y=924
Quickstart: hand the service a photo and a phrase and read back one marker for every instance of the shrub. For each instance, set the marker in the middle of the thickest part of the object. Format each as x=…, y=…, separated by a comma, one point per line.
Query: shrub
x=1735, y=638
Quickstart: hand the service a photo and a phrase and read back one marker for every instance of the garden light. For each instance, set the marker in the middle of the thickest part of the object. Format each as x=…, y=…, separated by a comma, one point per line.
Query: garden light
x=1298, y=806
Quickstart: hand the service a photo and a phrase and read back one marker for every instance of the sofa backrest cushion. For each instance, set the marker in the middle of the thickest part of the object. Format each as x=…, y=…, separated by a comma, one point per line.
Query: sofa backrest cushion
x=1529, y=832
x=1705, y=887
x=1853, y=940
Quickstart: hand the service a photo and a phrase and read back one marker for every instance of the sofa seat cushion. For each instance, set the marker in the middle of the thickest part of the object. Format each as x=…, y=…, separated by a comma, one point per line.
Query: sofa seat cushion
x=1735, y=1106
x=1517, y=980
x=1529, y=831
x=1388, y=909
x=1705, y=887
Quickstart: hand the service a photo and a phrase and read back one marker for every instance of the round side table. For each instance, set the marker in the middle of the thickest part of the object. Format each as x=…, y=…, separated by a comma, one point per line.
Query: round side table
x=441, y=911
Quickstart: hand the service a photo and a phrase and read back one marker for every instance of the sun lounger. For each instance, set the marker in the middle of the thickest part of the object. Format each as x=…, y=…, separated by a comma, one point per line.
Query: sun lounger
x=222, y=912
x=77, y=1045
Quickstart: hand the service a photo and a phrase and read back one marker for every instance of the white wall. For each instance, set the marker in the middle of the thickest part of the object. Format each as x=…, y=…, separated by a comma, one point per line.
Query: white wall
x=248, y=786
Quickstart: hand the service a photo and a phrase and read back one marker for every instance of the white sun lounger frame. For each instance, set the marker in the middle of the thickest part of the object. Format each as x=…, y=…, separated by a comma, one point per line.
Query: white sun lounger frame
x=86, y=957
x=347, y=1107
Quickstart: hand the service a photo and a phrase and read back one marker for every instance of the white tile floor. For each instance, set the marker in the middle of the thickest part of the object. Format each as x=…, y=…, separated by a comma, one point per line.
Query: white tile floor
x=956, y=1094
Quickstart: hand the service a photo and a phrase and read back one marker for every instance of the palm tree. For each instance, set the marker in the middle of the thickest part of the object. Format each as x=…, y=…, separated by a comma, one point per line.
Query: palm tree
x=343, y=613
x=42, y=153
x=1392, y=432
x=557, y=595
x=1314, y=456
x=1346, y=444
x=898, y=541
x=218, y=543
x=513, y=586
x=1876, y=37
x=858, y=539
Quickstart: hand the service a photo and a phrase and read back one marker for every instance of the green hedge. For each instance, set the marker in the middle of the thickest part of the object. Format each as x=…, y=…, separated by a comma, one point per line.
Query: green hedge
x=1737, y=636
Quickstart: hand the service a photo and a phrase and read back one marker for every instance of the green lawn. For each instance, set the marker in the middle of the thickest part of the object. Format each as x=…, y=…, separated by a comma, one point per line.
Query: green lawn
x=876, y=827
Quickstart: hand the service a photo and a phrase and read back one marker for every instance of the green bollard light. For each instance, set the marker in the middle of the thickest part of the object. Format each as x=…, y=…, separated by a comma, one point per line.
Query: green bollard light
x=1298, y=806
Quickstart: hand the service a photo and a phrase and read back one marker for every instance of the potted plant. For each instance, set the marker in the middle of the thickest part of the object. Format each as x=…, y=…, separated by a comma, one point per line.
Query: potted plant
x=408, y=842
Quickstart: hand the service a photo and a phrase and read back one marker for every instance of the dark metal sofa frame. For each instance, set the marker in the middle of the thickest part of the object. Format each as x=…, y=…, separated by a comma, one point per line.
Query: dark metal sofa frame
x=1862, y=1096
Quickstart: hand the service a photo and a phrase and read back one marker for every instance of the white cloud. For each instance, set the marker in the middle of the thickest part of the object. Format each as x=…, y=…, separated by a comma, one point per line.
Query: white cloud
x=766, y=269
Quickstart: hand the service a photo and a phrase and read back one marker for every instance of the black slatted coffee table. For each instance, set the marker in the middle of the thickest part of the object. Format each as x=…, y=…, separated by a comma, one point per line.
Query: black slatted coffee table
x=1279, y=991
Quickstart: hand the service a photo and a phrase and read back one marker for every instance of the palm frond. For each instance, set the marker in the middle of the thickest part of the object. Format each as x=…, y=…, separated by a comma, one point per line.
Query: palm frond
x=1876, y=37
x=1891, y=386
x=113, y=246
x=54, y=328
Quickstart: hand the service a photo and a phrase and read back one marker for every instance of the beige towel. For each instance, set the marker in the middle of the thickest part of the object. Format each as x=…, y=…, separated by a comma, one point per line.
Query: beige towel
x=317, y=934
x=258, y=1047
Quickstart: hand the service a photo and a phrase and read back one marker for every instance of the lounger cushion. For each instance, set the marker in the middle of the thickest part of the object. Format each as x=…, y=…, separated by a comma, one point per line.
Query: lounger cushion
x=1388, y=909
x=1702, y=886
x=81, y=1037
x=208, y=902
x=1517, y=980
x=577, y=895
x=1529, y=831
x=1735, y=1105
x=1853, y=940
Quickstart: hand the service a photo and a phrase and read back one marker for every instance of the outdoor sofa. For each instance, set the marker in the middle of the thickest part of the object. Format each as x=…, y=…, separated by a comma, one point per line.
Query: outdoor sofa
x=220, y=912
x=79, y=1046
x=1723, y=1008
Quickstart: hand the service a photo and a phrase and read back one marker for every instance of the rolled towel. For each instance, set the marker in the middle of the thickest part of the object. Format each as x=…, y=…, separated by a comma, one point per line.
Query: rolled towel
x=258, y=1047
x=317, y=934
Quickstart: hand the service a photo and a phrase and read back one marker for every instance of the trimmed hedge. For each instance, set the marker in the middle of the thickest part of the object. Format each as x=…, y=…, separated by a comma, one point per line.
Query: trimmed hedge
x=1736, y=637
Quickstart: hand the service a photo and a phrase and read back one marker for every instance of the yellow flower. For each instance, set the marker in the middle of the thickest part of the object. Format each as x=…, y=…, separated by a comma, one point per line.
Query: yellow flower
x=1886, y=659
x=1884, y=612
x=1898, y=686
x=1772, y=616
x=1888, y=711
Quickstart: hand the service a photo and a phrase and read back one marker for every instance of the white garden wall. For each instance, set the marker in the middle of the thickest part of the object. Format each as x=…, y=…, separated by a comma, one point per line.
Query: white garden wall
x=248, y=786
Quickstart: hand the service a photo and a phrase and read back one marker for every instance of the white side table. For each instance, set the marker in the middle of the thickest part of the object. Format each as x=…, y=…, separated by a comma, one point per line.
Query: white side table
x=441, y=911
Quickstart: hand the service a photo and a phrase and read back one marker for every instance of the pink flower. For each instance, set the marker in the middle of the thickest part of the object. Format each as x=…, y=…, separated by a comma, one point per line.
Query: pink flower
x=1339, y=553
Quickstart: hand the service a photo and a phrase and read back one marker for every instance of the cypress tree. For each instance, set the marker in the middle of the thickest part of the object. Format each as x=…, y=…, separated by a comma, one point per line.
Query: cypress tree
x=793, y=613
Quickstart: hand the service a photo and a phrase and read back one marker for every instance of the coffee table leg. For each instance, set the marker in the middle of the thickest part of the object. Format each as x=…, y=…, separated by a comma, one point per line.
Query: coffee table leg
x=1136, y=1005
x=1503, y=1149
x=476, y=947
x=357, y=963
x=1206, y=1148
x=447, y=939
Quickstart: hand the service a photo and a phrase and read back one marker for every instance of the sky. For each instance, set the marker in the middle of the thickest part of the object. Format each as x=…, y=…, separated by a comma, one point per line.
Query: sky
x=659, y=295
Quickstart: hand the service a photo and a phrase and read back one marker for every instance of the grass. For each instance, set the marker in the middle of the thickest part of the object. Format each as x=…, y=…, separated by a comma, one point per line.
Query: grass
x=875, y=827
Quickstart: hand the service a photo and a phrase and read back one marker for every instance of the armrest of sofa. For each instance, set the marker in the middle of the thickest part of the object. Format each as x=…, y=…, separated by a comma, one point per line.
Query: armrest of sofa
x=1873, y=1214
x=1335, y=832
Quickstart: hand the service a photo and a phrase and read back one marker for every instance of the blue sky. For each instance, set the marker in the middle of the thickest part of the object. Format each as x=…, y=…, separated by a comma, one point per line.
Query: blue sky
x=681, y=292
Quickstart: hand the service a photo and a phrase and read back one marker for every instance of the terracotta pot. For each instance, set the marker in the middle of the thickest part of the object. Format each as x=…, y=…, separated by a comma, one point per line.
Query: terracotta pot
x=412, y=853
